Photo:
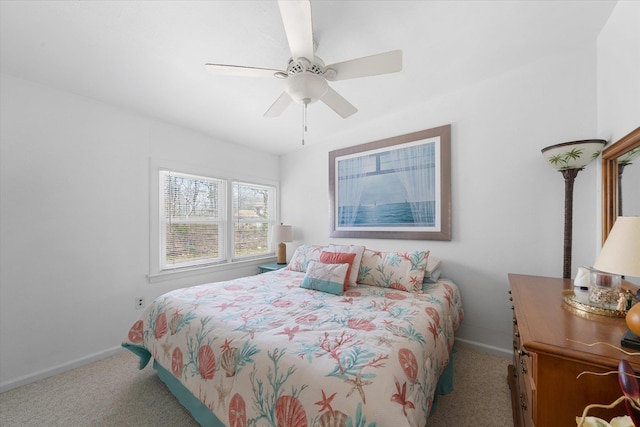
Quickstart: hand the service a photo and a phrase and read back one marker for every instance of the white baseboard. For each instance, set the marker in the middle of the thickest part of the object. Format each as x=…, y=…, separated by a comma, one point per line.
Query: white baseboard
x=45, y=373
x=485, y=348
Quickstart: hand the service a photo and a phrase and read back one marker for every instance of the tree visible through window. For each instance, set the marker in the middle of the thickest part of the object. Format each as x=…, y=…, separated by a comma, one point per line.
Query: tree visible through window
x=193, y=216
x=253, y=217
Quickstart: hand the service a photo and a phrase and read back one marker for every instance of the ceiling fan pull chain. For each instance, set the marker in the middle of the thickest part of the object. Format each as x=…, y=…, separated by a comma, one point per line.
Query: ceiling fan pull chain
x=304, y=118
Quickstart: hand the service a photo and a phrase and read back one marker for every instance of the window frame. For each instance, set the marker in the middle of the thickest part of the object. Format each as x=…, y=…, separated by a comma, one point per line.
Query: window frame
x=221, y=220
x=228, y=260
x=271, y=221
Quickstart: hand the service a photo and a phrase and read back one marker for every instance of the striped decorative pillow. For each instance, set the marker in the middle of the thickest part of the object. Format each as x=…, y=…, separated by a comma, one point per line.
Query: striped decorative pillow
x=339, y=258
x=358, y=250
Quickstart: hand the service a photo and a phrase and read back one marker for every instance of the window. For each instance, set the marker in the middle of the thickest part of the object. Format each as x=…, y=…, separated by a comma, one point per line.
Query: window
x=192, y=217
x=204, y=221
x=253, y=215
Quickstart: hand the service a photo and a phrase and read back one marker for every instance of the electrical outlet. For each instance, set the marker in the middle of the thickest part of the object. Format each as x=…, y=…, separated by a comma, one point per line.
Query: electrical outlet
x=139, y=303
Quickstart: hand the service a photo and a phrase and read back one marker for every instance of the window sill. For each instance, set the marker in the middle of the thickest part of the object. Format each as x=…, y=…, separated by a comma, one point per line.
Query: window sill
x=180, y=273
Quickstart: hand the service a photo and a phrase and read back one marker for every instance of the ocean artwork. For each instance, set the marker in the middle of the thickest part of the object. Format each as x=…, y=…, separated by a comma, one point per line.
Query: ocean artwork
x=387, y=214
x=388, y=188
x=394, y=188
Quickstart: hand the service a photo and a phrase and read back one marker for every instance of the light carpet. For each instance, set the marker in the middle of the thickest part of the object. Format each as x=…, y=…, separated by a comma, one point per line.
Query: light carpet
x=113, y=392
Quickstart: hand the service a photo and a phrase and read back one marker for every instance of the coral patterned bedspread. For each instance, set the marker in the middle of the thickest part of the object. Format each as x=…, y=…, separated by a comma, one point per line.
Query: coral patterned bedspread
x=262, y=351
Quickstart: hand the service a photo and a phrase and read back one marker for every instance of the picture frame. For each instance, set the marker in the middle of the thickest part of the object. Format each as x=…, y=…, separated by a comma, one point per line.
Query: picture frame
x=394, y=188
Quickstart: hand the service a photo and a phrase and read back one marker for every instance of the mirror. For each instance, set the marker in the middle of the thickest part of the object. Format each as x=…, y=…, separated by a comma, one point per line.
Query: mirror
x=620, y=178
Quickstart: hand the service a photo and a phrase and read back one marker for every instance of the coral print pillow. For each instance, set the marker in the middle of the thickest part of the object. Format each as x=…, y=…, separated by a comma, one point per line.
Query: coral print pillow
x=302, y=256
x=325, y=277
x=403, y=271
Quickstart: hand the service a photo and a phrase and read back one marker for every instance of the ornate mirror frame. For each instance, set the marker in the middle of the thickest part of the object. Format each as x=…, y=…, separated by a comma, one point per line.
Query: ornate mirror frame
x=610, y=178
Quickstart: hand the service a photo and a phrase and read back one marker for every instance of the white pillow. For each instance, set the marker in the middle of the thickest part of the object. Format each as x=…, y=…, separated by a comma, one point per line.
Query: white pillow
x=433, y=265
x=325, y=277
x=350, y=249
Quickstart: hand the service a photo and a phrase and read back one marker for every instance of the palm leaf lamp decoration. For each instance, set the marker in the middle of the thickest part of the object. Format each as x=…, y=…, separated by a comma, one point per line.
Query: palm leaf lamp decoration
x=623, y=161
x=569, y=158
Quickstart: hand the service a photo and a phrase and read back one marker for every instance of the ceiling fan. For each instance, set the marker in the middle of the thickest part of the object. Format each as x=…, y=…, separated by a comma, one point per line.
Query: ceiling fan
x=306, y=76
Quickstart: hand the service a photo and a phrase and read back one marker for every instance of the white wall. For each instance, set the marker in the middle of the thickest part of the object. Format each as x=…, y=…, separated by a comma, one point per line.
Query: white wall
x=619, y=91
x=619, y=72
x=74, y=219
x=508, y=209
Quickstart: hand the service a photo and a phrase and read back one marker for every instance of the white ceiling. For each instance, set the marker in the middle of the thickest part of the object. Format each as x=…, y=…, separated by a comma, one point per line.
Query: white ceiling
x=148, y=56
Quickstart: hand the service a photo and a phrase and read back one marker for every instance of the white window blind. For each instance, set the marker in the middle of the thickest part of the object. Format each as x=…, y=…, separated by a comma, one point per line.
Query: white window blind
x=253, y=217
x=192, y=220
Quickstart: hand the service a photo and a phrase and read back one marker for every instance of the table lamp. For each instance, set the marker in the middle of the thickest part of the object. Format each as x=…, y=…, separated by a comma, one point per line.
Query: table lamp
x=620, y=254
x=282, y=234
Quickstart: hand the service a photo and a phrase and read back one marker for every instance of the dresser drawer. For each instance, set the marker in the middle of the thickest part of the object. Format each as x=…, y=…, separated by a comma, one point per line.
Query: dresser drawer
x=516, y=341
x=527, y=389
x=521, y=381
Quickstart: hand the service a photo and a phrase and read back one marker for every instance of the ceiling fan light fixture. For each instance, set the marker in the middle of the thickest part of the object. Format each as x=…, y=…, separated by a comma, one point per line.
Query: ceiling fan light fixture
x=306, y=87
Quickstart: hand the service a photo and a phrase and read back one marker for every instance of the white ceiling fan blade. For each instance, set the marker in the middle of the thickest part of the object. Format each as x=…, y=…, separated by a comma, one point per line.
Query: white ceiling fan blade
x=237, y=70
x=338, y=104
x=279, y=105
x=296, y=17
x=382, y=63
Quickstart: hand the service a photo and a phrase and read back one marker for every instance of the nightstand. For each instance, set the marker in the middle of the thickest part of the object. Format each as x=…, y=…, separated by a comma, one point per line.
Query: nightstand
x=270, y=267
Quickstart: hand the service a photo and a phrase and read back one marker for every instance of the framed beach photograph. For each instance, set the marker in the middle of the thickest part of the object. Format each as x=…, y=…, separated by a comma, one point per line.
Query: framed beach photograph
x=395, y=188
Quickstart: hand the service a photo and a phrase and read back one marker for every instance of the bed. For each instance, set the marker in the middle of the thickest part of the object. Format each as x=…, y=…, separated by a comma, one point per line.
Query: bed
x=279, y=349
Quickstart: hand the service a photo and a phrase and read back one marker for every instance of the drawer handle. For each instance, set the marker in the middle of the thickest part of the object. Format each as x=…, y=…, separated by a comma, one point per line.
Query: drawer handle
x=523, y=366
x=523, y=402
x=517, y=334
x=522, y=353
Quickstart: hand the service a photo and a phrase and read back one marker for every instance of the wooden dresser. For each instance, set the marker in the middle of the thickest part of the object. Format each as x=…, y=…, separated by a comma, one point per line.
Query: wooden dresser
x=545, y=390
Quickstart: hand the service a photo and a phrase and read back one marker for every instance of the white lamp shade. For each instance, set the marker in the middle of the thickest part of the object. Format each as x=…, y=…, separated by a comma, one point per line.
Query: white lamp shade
x=621, y=252
x=282, y=233
x=573, y=155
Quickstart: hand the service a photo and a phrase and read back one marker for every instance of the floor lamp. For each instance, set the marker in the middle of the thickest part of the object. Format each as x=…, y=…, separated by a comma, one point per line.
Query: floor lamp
x=570, y=158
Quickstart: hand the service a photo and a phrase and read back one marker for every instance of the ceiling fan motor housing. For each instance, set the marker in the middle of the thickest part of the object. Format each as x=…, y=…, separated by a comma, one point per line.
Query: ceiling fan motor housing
x=306, y=83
